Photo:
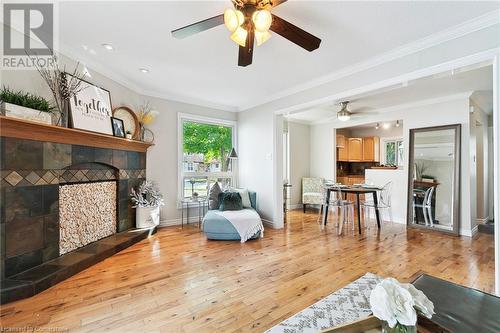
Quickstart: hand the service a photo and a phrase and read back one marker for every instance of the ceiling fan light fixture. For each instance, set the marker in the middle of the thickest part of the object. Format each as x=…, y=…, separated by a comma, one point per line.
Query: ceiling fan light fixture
x=262, y=20
x=239, y=36
x=233, y=19
x=343, y=115
x=262, y=37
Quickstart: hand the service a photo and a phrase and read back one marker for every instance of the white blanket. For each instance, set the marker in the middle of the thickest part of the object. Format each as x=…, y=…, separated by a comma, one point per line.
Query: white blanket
x=246, y=221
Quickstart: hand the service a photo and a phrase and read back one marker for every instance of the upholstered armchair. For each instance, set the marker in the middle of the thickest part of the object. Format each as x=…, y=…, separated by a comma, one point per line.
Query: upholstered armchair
x=312, y=191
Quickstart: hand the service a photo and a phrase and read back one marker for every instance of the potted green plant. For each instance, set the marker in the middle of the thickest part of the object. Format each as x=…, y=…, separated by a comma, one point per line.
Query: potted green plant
x=23, y=105
x=128, y=135
x=147, y=200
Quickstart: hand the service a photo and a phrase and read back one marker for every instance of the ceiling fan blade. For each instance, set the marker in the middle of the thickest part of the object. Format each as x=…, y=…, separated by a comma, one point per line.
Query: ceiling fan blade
x=266, y=4
x=295, y=34
x=364, y=109
x=197, y=27
x=276, y=3
x=246, y=53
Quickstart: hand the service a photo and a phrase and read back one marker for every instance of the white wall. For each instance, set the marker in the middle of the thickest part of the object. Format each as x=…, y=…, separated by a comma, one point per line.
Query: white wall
x=491, y=202
x=480, y=158
x=299, y=141
x=323, y=151
x=445, y=111
x=255, y=159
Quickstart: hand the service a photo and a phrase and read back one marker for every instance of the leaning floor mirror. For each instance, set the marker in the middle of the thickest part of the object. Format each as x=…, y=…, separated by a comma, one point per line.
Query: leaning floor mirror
x=434, y=178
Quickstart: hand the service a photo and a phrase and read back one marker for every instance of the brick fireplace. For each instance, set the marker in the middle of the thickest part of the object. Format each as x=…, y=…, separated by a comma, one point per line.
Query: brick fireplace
x=37, y=173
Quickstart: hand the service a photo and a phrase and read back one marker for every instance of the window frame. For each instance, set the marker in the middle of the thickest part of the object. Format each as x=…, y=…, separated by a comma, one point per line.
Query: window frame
x=181, y=118
x=385, y=141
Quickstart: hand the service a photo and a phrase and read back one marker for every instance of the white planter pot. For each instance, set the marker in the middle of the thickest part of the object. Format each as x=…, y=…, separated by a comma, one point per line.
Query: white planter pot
x=147, y=217
x=21, y=112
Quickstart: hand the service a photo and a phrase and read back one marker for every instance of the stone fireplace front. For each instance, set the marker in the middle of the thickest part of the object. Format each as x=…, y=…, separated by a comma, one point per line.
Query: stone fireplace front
x=59, y=198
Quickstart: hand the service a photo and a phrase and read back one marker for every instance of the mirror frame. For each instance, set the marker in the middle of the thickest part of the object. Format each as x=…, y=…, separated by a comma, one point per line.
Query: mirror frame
x=456, y=177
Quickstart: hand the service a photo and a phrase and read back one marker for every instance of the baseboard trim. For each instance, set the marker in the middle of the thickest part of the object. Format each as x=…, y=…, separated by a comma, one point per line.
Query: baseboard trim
x=469, y=233
x=174, y=222
x=268, y=223
x=483, y=220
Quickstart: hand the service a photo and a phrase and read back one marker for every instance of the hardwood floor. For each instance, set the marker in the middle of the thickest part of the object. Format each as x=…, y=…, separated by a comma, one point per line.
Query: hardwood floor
x=177, y=281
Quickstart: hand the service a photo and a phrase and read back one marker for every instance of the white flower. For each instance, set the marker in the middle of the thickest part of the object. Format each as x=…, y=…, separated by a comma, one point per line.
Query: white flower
x=422, y=303
x=393, y=303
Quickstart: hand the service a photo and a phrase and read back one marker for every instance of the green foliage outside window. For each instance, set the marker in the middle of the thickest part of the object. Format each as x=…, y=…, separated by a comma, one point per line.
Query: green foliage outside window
x=390, y=153
x=214, y=141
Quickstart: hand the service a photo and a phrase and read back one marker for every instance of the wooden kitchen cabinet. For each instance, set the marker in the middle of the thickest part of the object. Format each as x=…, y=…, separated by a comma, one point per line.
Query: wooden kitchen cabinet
x=355, y=149
x=340, y=141
x=371, y=149
x=343, y=180
x=342, y=154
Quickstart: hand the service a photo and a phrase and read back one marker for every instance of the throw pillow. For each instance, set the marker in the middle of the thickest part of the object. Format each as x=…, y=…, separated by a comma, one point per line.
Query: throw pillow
x=213, y=196
x=230, y=201
x=245, y=197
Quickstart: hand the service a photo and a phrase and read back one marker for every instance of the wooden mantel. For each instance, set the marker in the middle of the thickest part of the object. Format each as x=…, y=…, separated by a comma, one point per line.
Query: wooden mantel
x=30, y=130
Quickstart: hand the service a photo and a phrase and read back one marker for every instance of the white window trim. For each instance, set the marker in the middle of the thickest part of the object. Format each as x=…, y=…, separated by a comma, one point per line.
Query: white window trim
x=383, y=150
x=181, y=117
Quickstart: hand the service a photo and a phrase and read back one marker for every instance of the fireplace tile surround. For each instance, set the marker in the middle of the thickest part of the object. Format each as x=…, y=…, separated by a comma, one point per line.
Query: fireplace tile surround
x=31, y=173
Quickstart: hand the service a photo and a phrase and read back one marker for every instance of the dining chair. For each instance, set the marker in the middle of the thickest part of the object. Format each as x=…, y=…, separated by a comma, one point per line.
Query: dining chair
x=337, y=202
x=426, y=206
x=384, y=203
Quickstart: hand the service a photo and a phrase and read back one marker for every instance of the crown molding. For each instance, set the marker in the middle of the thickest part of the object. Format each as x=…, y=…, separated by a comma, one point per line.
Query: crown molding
x=478, y=23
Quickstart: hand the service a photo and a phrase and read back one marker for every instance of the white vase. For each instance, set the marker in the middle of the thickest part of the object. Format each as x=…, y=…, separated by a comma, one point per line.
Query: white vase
x=147, y=217
x=21, y=112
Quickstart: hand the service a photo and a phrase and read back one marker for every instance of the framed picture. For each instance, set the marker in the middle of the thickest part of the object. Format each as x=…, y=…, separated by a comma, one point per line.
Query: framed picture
x=90, y=109
x=118, y=127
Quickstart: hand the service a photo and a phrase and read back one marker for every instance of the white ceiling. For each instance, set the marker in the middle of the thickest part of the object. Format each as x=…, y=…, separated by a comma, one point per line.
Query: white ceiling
x=479, y=80
x=202, y=69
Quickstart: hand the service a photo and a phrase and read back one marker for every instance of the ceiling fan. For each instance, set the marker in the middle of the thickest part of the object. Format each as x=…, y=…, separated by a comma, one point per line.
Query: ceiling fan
x=344, y=114
x=250, y=22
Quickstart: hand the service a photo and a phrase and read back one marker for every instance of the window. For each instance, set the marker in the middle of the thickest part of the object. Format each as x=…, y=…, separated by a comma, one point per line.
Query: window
x=393, y=152
x=204, y=148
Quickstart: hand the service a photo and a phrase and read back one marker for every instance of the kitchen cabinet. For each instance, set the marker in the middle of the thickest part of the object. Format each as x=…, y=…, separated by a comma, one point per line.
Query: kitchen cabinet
x=355, y=149
x=340, y=141
x=371, y=149
x=343, y=180
x=342, y=154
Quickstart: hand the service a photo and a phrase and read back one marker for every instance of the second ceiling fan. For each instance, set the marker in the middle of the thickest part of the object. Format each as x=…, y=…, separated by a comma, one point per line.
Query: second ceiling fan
x=250, y=22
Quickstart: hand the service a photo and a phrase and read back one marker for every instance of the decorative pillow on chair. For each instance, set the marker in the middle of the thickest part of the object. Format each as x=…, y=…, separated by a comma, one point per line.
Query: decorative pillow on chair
x=213, y=196
x=230, y=201
x=245, y=197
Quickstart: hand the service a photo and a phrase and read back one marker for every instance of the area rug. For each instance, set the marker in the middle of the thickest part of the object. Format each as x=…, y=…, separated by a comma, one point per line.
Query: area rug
x=341, y=307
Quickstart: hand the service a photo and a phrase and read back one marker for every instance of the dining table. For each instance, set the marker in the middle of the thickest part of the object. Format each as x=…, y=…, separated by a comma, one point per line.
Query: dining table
x=357, y=190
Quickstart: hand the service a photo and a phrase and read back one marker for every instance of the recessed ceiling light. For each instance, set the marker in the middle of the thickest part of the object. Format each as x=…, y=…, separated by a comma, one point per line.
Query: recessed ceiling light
x=108, y=47
x=144, y=70
x=386, y=125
